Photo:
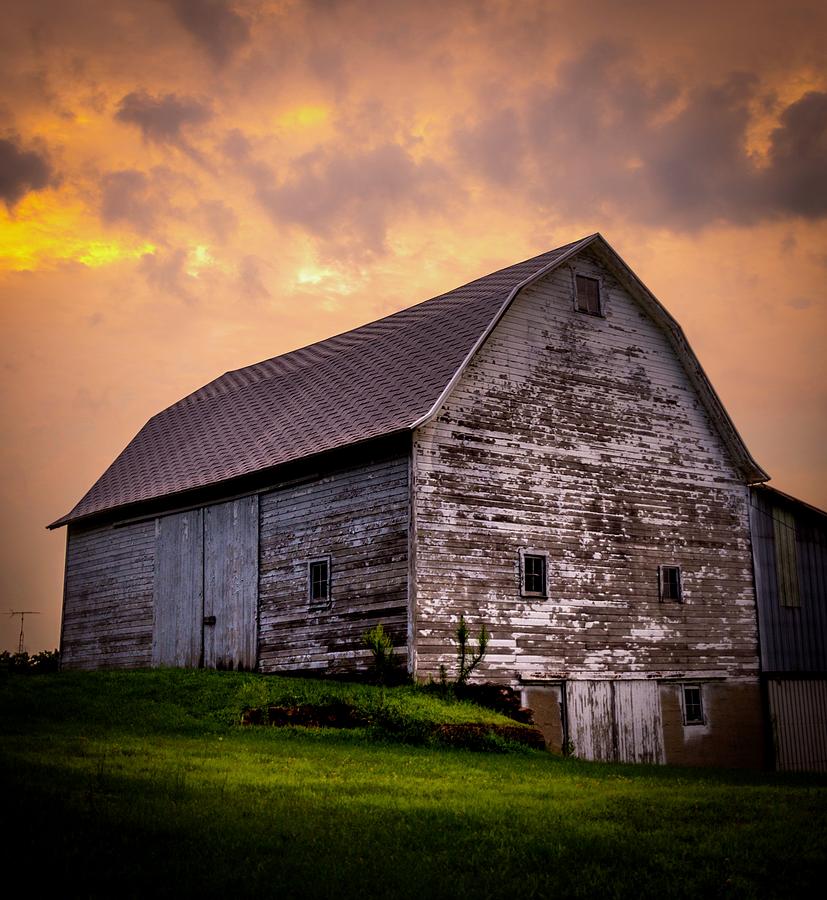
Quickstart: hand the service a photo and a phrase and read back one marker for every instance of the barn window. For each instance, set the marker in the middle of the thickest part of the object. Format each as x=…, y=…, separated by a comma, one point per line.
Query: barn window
x=533, y=573
x=318, y=580
x=786, y=558
x=669, y=578
x=693, y=709
x=587, y=295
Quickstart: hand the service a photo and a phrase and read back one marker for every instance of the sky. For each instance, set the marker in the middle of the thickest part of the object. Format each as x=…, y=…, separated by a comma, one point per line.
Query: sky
x=190, y=186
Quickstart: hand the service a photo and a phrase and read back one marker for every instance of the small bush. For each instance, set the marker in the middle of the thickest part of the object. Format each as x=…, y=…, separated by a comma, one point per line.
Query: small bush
x=380, y=644
x=45, y=661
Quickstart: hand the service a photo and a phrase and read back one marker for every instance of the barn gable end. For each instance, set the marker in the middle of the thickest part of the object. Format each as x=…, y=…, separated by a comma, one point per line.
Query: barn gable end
x=582, y=439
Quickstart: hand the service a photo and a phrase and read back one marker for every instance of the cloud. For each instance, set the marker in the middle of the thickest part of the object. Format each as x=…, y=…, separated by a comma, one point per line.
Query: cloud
x=124, y=198
x=489, y=145
x=349, y=199
x=605, y=137
x=797, y=175
x=22, y=171
x=166, y=272
x=162, y=119
x=214, y=24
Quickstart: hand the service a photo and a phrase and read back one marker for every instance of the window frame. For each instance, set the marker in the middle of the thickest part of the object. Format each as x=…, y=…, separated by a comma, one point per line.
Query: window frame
x=662, y=583
x=318, y=601
x=531, y=552
x=701, y=718
x=575, y=274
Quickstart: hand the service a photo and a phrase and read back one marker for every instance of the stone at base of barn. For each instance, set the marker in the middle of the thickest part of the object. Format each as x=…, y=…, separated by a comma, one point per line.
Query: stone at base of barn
x=629, y=720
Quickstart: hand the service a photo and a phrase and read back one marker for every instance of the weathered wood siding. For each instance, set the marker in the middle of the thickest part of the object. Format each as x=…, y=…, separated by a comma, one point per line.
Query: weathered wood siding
x=107, y=613
x=359, y=518
x=793, y=637
x=582, y=436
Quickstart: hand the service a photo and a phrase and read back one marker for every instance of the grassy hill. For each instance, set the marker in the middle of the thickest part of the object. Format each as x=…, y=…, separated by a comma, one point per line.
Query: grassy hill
x=143, y=784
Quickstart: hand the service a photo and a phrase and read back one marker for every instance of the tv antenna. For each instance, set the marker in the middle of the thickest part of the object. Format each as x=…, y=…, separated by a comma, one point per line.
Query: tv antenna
x=22, y=613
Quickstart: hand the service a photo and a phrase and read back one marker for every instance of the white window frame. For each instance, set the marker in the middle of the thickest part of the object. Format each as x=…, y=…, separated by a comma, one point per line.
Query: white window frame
x=530, y=551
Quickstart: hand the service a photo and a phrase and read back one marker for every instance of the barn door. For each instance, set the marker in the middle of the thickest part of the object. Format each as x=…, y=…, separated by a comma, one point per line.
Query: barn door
x=590, y=715
x=206, y=587
x=178, y=610
x=231, y=584
x=615, y=721
x=638, y=722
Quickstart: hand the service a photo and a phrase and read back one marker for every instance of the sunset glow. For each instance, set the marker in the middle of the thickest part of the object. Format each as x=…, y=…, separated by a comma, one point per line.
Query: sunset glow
x=190, y=186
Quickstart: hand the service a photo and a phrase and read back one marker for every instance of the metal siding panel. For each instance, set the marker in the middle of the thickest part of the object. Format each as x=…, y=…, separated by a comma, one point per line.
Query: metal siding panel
x=231, y=583
x=799, y=715
x=179, y=590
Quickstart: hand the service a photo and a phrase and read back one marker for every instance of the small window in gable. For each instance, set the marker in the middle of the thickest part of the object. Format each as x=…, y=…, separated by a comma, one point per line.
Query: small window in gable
x=693, y=709
x=587, y=295
x=533, y=573
x=669, y=578
x=318, y=580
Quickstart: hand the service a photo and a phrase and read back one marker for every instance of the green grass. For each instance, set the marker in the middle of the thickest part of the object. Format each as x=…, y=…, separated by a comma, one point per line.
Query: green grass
x=139, y=784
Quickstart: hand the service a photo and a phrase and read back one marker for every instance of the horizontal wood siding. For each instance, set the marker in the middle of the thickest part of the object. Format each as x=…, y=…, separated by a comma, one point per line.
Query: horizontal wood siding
x=358, y=518
x=793, y=638
x=107, y=615
x=581, y=436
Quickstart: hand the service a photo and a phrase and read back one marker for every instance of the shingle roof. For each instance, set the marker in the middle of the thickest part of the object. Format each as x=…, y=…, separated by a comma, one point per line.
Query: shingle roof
x=372, y=381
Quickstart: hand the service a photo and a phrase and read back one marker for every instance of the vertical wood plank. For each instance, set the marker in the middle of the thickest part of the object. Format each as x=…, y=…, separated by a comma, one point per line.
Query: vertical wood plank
x=179, y=590
x=638, y=722
x=591, y=719
x=231, y=584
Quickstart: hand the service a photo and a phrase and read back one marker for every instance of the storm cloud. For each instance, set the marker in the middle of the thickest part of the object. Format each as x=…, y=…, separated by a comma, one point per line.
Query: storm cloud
x=162, y=119
x=22, y=171
x=214, y=24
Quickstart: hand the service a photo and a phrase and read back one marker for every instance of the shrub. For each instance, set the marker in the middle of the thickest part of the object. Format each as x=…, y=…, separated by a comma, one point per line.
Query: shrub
x=466, y=665
x=380, y=644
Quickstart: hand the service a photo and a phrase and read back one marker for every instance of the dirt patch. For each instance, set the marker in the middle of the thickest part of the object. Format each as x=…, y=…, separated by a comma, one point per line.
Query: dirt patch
x=476, y=736
x=329, y=715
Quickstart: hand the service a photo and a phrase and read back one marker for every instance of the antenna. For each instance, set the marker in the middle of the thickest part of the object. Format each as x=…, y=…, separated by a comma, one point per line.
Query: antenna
x=22, y=613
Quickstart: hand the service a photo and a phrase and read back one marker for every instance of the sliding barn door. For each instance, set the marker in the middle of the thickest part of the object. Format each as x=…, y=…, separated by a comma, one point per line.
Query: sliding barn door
x=206, y=587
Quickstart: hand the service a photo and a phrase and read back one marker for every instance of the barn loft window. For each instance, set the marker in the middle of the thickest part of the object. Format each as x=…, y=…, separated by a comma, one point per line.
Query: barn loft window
x=533, y=573
x=318, y=580
x=693, y=709
x=669, y=578
x=587, y=295
x=786, y=561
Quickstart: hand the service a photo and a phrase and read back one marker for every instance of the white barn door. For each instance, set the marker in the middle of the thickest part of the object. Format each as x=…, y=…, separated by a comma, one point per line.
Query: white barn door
x=615, y=721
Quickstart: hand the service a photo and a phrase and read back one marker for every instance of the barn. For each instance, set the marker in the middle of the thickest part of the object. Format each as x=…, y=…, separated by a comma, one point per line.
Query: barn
x=539, y=450
x=789, y=544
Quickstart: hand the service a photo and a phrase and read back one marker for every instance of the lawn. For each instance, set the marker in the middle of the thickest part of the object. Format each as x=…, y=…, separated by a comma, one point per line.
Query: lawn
x=141, y=784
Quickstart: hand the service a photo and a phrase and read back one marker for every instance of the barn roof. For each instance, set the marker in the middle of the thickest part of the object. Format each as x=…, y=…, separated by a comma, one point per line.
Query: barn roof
x=385, y=377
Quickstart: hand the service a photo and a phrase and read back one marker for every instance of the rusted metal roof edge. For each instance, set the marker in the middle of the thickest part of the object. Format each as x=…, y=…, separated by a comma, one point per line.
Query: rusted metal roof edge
x=544, y=270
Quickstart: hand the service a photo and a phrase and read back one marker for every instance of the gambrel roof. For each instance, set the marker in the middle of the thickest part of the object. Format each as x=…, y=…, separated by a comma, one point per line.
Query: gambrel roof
x=386, y=377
